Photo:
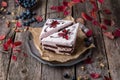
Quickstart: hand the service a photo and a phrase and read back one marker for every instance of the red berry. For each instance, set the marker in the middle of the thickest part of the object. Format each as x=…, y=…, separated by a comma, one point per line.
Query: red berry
x=89, y=33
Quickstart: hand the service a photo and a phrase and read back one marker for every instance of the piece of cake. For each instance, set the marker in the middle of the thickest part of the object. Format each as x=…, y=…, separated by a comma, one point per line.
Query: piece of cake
x=52, y=25
x=62, y=42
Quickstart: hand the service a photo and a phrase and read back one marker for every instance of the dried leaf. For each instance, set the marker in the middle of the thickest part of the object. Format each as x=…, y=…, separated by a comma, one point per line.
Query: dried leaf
x=116, y=33
x=107, y=22
x=65, y=3
x=76, y=1
x=2, y=37
x=39, y=19
x=66, y=12
x=4, y=4
x=14, y=58
x=7, y=44
x=93, y=14
x=18, y=24
x=9, y=41
x=61, y=8
x=103, y=26
x=95, y=7
x=54, y=24
x=53, y=7
x=101, y=1
x=107, y=11
x=96, y=23
x=5, y=47
x=18, y=43
x=95, y=75
x=86, y=17
x=109, y=35
x=64, y=34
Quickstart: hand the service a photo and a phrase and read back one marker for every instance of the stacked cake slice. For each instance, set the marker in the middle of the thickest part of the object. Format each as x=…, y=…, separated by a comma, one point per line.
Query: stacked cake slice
x=51, y=26
x=61, y=41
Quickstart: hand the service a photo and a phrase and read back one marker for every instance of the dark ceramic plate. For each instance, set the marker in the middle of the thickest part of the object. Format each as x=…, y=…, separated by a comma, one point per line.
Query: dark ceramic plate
x=32, y=50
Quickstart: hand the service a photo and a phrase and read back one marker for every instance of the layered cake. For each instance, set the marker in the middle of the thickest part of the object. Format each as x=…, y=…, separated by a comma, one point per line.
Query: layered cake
x=51, y=26
x=61, y=42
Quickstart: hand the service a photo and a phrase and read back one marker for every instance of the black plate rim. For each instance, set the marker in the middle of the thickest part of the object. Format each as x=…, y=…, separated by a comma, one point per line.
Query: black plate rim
x=30, y=46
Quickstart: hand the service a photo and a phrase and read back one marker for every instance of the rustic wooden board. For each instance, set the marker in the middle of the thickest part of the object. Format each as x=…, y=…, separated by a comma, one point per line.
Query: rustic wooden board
x=55, y=73
x=5, y=57
x=113, y=46
x=25, y=68
x=98, y=52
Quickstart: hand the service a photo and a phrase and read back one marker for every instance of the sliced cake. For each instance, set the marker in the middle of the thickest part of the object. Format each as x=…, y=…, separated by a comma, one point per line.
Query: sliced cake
x=51, y=26
x=62, y=42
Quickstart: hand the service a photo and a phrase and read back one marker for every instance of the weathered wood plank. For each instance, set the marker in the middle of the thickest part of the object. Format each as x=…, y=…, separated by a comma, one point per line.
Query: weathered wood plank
x=25, y=68
x=5, y=57
x=55, y=73
x=98, y=52
x=112, y=46
x=52, y=13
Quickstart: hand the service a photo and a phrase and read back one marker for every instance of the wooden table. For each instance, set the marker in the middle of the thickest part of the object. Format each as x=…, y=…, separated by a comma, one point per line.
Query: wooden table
x=28, y=68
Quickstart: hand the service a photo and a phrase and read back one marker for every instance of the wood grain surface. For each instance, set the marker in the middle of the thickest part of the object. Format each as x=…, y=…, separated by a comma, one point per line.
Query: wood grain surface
x=112, y=47
x=5, y=57
x=27, y=68
x=98, y=52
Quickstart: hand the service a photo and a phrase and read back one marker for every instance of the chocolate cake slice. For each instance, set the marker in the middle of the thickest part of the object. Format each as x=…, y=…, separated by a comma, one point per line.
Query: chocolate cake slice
x=62, y=42
x=51, y=26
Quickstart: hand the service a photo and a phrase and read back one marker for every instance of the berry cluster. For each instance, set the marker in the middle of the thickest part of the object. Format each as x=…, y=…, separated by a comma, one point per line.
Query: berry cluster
x=27, y=3
x=32, y=20
x=26, y=15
